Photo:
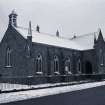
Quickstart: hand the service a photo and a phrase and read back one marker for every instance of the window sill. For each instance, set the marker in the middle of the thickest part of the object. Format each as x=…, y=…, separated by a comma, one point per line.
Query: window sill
x=102, y=64
x=79, y=72
x=8, y=66
x=39, y=73
x=29, y=76
x=69, y=73
x=57, y=73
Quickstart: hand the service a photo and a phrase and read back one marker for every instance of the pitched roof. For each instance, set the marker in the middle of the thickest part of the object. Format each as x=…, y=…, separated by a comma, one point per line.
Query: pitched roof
x=48, y=39
x=86, y=41
x=83, y=42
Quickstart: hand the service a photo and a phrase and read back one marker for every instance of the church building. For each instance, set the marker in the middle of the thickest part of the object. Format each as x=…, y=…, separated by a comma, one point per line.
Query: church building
x=27, y=54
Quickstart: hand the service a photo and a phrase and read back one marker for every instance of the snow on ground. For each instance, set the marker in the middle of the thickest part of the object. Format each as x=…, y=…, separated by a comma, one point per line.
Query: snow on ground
x=24, y=95
x=9, y=87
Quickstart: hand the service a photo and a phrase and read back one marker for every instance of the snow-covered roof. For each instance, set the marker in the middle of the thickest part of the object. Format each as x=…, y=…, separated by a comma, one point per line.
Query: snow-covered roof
x=86, y=41
x=83, y=42
x=48, y=39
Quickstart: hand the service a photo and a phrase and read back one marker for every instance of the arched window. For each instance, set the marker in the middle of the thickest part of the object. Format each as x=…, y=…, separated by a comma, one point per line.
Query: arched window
x=56, y=65
x=104, y=59
x=68, y=66
x=79, y=66
x=8, y=57
x=101, y=58
x=39, y=64
x=28, y=51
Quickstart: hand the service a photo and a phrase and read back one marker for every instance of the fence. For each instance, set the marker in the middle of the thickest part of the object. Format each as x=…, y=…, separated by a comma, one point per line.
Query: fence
x=8, y=83
x=9, y=87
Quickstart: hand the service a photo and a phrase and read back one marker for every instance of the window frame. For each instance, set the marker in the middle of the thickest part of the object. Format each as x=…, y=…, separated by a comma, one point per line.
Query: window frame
x=79, y=66
x=39, y=64
x=8, y=57
x=101, y=57
x=56, y=65
x=68, y=65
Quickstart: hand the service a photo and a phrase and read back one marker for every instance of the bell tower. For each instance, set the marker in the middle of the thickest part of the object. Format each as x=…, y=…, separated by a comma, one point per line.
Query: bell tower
x=13, y=19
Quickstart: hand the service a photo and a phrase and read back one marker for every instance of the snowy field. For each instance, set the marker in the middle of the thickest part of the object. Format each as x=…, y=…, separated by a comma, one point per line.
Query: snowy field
x=24, y=95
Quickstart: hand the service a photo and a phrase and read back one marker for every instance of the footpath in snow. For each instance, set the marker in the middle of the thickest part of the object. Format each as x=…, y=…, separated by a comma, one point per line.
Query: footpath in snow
x=24, y=95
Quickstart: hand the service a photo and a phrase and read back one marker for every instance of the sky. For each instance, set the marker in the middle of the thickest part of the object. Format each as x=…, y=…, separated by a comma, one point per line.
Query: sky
x=68, y=16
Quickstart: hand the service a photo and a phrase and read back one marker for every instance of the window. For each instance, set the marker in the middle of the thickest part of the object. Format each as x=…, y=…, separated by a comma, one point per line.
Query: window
x=56, y=65
x=28, y=48
x=39, y=64
x=8, y=57
x=101, y=58
x=79, y=66
x=28, y=51
x=104, y=59
x=68, y=66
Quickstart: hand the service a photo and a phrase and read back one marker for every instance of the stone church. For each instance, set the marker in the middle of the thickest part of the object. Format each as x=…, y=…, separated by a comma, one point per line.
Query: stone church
x=30, y=55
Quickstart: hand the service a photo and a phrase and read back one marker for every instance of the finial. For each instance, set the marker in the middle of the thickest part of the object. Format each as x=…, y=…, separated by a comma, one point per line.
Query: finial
x=37, y=28
x=14, y=12
x=100, y=36
x=29, y=29
x=95, y=38
x=94, y=35
x=99, y=30
x=74, y=35
x=57, y=33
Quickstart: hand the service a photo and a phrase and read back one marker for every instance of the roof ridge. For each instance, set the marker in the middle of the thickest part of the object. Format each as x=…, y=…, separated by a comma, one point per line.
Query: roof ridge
x=52, y=40
x=22, y=27
x=52, y=35
x=84, y=35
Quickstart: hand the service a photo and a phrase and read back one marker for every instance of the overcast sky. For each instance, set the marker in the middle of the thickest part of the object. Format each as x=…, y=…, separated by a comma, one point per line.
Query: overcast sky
x=68, y=16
